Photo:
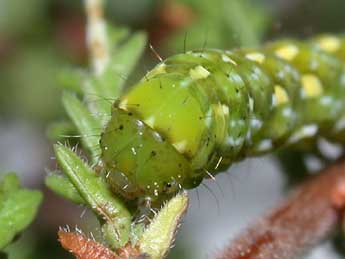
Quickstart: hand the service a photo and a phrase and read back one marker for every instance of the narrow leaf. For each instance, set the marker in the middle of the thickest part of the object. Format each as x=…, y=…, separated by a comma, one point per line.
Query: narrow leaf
x=160, y=234
x=63, y=187
x=116, y=35
x=242, y=29
x=97, y=194
x=60, y=130
x=88, y=126
x=126, y=57
x=104, y=90
x=71, y=79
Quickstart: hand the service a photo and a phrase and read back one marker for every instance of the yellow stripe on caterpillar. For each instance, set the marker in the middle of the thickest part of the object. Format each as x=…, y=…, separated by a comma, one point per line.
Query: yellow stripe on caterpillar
x=288, y=52
x=199, y=72
x=312, y=86
x=256, y=56
x=150, y=121
x=160, y=69
x=227, y=59
x=180, y=146
x=329, y=43
x=123, y=104
x=281, y=95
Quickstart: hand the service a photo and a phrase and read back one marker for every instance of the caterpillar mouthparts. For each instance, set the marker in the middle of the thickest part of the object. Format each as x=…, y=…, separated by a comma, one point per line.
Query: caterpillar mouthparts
x=196, y=113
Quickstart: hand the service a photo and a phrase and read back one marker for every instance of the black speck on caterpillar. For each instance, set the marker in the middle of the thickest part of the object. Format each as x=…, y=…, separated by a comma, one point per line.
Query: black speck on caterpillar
x=198, y=112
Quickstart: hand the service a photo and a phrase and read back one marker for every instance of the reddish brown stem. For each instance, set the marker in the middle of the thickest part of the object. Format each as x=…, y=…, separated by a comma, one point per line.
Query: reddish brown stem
x=83, y=247
x=306, y=217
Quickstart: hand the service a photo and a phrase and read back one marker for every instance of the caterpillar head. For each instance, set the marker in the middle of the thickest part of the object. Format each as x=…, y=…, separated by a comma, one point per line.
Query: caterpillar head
x=139, y=162
x=158, y=139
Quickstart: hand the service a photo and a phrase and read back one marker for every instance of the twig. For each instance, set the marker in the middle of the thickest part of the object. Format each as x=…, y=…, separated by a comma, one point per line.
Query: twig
x=305, y=218
x=83, y=247
x=96, y=35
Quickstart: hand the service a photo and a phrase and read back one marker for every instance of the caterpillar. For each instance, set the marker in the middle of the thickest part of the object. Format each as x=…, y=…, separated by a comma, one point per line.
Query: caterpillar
x=198, y=112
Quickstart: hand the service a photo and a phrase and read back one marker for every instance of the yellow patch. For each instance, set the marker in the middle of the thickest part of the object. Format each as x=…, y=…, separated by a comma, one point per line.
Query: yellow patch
x=225, y=109
x=199, y=72
x=281, y=95
x=123, y=104
x=256, y=56
x=180, y=146
x=227, y=59
x=287, y=52
x=221, y=110
x=312, y=85
x=150, y=121
x=329, y=43
x=160, y=69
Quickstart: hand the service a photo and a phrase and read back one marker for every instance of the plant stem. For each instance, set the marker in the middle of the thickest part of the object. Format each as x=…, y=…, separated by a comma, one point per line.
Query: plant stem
x=96, y=35
x=83, y=247
x=307, y=216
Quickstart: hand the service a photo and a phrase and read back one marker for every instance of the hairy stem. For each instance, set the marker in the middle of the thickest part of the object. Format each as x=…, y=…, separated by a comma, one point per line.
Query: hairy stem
x=96, y=35
x=83, y=247
x=307, y=216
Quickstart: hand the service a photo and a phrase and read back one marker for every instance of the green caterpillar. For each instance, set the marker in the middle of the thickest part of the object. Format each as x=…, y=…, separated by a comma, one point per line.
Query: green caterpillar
x=198, y=112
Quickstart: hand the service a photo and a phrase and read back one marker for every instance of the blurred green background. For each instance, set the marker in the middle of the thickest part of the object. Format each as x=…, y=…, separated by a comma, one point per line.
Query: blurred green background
x=39, y=37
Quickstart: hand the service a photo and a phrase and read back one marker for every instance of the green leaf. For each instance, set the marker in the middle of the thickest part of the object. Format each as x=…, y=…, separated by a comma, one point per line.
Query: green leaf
x=88, y=126
x=72, y=79
x=248, y=31
x=158, y=237
x=18, y=207
x=126, y=57
x=60, y=130
x=95, y=191
x=63, y=187
x=10, y=183
x=116, y=34
x=102, y=91
x=221, y=24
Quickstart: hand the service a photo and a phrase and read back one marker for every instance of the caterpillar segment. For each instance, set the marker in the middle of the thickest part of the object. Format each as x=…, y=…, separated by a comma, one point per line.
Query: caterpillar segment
x=198, y=112
x=335, y=45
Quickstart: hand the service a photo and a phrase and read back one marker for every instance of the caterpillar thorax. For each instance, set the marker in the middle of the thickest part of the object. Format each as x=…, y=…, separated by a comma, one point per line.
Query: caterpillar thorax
x=196, y=113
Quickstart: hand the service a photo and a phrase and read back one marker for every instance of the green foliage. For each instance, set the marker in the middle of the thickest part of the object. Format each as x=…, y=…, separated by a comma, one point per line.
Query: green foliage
x=60, y=130
x=88, y=125
x=62, y=186
x=71, y=78
x=18, y=208
x=14, y=18
x=223, y=24
x=101, y=91
x=83, y=184
x=134, y=12
x=93, y=189
x=157, y=238
x=27, y=77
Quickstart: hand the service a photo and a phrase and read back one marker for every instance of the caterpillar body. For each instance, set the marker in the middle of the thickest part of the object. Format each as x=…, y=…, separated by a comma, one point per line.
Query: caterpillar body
x=196, y=113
